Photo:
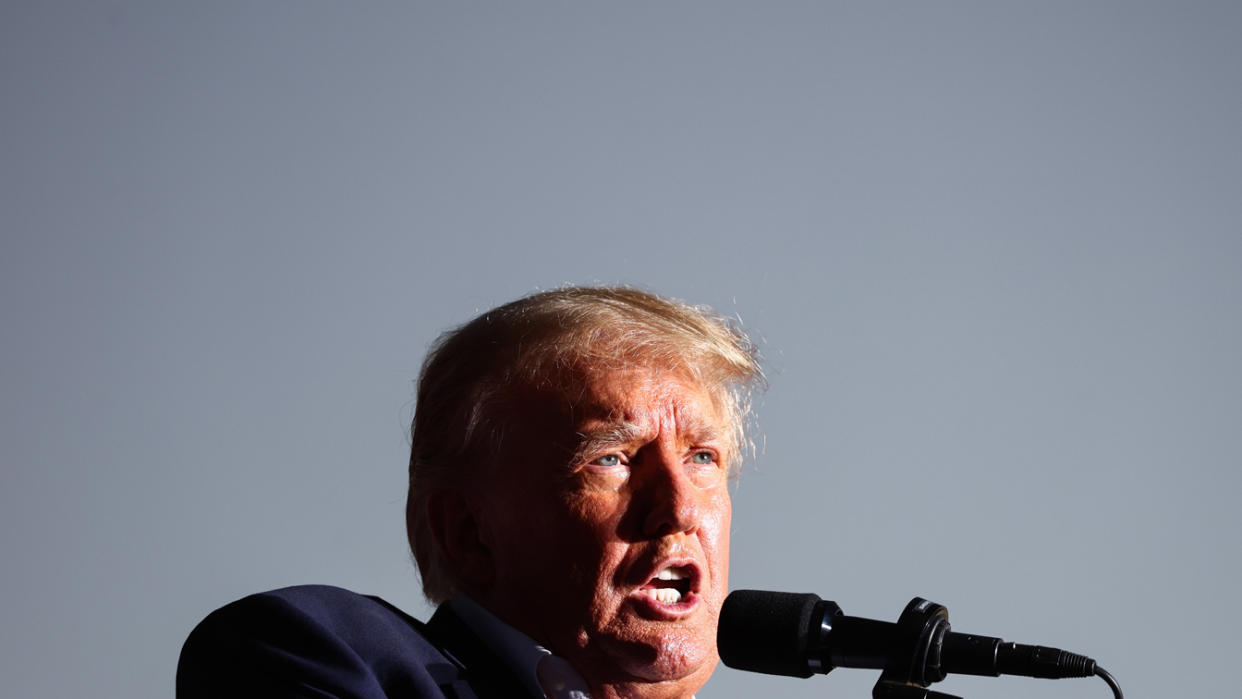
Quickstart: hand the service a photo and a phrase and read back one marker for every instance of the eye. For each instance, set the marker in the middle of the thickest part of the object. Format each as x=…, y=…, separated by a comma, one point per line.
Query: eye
x=608, y=472
x=704, y=468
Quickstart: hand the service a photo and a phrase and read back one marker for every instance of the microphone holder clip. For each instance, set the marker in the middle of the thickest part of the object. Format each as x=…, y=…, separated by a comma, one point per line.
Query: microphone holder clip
x=886, y=689
x=920, y=636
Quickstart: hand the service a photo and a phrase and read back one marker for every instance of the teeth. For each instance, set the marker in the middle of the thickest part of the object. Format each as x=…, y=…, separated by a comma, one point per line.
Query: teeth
x=664, y=595
x=669, y=574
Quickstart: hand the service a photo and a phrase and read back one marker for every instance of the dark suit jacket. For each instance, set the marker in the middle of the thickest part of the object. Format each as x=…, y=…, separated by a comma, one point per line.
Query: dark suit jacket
x=320, y=641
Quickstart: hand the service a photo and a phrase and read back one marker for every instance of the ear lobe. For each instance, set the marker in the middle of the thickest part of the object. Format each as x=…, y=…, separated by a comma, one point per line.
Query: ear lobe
x=457, y=533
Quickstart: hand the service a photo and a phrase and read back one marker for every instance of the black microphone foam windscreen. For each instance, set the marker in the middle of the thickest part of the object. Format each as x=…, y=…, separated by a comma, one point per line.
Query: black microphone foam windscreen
x=766, y=631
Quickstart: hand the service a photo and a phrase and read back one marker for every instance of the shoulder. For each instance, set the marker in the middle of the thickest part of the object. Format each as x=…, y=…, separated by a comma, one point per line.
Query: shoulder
x=313, y=641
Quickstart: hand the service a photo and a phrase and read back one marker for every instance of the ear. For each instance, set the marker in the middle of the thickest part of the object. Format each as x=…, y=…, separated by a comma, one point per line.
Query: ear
x=455, y=528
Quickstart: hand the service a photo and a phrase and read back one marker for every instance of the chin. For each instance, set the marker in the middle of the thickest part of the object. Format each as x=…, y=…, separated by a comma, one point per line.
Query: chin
x=668, y=655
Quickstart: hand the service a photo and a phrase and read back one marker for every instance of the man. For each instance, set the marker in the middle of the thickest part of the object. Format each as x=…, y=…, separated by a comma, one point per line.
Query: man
x=568, y=509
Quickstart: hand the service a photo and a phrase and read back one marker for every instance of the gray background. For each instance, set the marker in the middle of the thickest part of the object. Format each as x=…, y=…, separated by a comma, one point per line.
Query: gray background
x=992, y=251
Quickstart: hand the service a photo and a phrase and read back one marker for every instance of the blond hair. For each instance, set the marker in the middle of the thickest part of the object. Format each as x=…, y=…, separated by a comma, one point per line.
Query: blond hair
x=535, y=342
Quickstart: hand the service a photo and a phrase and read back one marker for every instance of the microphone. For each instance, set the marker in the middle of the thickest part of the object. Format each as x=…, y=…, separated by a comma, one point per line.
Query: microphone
x=783, y=633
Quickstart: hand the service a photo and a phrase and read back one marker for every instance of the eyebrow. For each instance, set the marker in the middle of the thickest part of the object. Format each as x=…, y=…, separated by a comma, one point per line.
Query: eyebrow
x=606, y=437
x=621, y=433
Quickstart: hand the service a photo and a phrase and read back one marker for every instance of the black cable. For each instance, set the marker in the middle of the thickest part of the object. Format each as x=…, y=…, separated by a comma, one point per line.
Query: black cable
x=1112, y=682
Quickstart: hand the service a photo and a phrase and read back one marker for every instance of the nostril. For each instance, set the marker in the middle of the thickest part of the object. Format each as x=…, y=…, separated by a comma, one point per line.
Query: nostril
x=672, y=521
x=670, y=504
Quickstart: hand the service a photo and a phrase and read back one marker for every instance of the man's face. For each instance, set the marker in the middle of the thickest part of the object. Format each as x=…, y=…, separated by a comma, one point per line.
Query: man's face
x=607, y=522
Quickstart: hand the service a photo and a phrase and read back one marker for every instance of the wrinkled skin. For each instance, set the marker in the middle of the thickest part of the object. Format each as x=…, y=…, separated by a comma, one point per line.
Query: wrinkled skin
x=580, y=514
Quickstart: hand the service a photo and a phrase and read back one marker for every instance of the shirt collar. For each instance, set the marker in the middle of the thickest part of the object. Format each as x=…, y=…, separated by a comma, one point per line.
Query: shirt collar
x=521, y=653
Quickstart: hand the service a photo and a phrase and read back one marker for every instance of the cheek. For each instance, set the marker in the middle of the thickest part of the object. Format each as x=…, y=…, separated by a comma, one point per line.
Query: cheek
x=530, y=530
x=716, y=537
x=604, y=556
x=594, y=512
x=588, y=526
x=718, y=513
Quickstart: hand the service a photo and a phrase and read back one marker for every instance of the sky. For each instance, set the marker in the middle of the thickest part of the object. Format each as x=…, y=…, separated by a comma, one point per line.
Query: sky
x=992, y=253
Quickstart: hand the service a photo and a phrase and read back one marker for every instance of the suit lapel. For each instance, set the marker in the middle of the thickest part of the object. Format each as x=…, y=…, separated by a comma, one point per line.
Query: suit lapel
x=486, y=673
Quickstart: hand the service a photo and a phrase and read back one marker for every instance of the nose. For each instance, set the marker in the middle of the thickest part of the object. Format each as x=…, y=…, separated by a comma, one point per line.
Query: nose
x=670, y=498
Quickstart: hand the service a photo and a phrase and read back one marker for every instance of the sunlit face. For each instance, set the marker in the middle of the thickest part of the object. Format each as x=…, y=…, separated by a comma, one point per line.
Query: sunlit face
x=607, y=523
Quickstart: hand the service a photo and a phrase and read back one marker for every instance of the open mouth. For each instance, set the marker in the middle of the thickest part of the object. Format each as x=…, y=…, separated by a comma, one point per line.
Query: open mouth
x=670, y=585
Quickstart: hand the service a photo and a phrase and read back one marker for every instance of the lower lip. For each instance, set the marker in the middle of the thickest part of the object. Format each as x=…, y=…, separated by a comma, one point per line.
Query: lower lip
x=652, y=608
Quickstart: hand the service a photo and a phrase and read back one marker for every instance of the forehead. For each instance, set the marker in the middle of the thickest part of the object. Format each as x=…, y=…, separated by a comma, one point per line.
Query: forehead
x=643, y=397
x=649, y=399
